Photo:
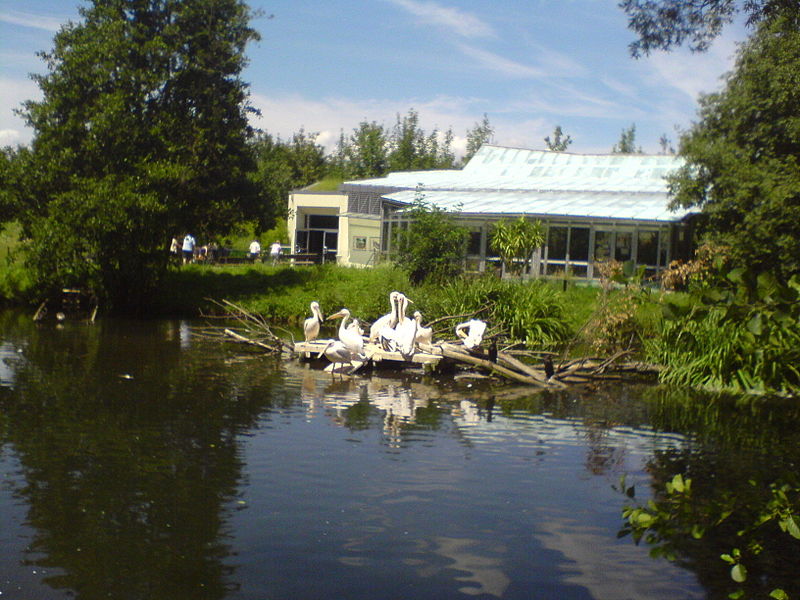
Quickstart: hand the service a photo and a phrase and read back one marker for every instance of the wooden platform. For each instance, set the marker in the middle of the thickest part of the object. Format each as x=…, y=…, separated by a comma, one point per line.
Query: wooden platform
x=310, y=350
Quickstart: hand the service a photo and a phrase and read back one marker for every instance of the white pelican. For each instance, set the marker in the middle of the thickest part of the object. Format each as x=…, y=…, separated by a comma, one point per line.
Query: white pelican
x=356, y=326
x=337, y=353
x=312, y=323
x=474, y=336
x=424, y=334
x=349, y=336
x=388, y=320
x=405, y=332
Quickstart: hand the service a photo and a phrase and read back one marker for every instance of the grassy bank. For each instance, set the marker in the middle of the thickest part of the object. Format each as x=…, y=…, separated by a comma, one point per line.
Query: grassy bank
x=541, y=314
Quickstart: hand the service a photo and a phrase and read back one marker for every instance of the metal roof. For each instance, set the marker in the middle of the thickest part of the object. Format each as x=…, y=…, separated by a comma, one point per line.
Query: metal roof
x=515, y=181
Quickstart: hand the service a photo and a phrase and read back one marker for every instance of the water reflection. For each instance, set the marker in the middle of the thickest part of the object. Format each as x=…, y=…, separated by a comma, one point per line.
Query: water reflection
x=138, y=458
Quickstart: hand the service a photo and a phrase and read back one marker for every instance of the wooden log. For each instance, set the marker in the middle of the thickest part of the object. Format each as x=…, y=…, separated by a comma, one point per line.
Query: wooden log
x=450, y=351
x=512, y=362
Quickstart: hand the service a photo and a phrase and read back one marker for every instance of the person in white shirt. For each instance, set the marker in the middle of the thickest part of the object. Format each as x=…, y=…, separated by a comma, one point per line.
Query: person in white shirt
x=275, y=252
x=255, y=250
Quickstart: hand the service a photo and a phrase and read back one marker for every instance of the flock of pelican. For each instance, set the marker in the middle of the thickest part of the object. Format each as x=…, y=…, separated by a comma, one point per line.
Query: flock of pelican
x=394, y=332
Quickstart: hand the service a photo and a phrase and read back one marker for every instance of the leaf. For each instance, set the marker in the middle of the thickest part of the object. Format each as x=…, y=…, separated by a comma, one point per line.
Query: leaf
x=677, y=483
x=755, y=325
x=791, y=527
x=778, y=594
x=739, y=573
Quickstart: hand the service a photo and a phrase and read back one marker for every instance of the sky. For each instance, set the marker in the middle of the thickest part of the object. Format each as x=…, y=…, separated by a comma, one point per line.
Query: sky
x=529, y=65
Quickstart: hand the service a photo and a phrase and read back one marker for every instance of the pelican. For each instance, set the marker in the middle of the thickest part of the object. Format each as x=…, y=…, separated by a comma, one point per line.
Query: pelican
x=388, y=320
x=355, y=325
x=311, y=324
x=424, y=334
x=405, y=332
x=474, y=336
x=348, y=335
x=337, y=353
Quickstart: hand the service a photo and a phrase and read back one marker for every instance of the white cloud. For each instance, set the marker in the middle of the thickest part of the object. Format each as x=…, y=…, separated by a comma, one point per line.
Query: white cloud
x=693, y=74
x=285, y=115
x=503, y=66
x=13, y=92
x=9, y=137
x=452, y=20
x=51, y=24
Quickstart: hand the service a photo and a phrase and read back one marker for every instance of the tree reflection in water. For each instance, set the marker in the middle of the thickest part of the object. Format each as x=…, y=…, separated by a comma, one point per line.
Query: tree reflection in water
x=127, y=485
x=131, y=444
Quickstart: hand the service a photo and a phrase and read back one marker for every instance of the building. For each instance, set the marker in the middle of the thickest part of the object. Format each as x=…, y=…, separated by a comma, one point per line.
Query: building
x=594, y=206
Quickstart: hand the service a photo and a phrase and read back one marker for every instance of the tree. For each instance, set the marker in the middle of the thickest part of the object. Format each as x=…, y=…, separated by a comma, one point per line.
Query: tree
x=666, y=144
x=742, y=155
x=482, y=133
x=627, y=142
x=141, y=135
x=515, y=241
x=367, y=153
x=665, y=24
x=432, y=248
x=560, y=142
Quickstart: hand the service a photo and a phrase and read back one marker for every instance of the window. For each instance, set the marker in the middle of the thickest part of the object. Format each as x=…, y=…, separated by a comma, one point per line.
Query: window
x=579, y=244
x=359, y=242
x=647, y=248
x=623, y=248
x=557, y=243
x=474, y=243
x=323, y=222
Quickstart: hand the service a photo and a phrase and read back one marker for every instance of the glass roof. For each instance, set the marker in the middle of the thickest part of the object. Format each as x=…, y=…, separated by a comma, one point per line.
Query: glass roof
x=504, y=180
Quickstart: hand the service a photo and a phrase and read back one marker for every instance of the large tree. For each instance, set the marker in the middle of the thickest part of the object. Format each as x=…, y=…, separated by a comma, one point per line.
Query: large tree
x=665, y=24
x=743, y=155
x=141, y=135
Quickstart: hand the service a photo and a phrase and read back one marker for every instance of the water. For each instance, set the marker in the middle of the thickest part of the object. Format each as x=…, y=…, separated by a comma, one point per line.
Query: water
x=140, y=462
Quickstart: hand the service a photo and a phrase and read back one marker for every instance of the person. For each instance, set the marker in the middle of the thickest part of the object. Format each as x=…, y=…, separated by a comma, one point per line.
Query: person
x=255, y=250
x=275, y=251
x=174, y=248
x=188, y=248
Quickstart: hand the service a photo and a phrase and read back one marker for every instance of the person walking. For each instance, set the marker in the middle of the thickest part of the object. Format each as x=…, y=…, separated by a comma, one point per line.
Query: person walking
x=255, y=250
x=275, y=252
x=188, y=248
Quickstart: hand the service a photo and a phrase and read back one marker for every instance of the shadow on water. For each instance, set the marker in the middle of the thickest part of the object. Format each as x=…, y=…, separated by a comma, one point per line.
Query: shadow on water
x=145, y=462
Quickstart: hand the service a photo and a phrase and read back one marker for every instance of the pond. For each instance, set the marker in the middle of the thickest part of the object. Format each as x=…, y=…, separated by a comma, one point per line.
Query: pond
x=140, y=462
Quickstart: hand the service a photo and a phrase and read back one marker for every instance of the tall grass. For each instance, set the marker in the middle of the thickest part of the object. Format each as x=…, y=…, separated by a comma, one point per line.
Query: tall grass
x=532, y=312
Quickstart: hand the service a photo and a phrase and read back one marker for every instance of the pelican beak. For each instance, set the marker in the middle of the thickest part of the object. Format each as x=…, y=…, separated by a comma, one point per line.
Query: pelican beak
x=337, y=315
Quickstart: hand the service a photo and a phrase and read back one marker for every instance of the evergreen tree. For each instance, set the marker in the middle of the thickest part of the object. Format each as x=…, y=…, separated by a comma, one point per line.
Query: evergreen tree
x=141, y=135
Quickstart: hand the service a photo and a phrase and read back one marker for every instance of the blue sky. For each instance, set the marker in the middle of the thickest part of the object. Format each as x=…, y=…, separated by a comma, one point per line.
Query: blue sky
x=529, y=65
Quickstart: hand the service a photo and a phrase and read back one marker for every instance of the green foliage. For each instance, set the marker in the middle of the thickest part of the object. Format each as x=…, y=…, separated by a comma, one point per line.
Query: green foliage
x=678, y=515
x=531, y=312
x=479, y=135
x=742, y=155
x=627, y=142
x=515, y=241
x=560, y=142
x=141, y=135
x=432, y=246
x=742, y=334
x=665, y=24
x=413, y=150
x=283, y=166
